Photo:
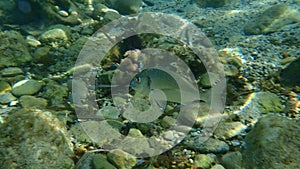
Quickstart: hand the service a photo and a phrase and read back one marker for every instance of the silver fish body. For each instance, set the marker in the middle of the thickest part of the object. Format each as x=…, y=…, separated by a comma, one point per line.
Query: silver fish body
x=176, y=88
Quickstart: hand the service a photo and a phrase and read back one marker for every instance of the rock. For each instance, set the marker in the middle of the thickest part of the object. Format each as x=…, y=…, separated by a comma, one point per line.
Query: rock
x=11, y=71
x=126, y=6
x=93, y=161
x=33, y=102
x=203, y=161
x=268, y=102
x=288, y=75
x=54, y=35
x=100, y=162
x=32, y=41
x=168, y=121
x=261, y=103
x=217, y=166
x=79, y=134
x=168, y=135
x=13, y=51
x=232, y=160
x=55, y=93
x=227, y=130
x=26, y=87
x=108, y=112
x=35, y=138
x=214, y=3
x=4, y=87
x=273, y=143
x=209, y=146
x=208, y=79
x=41, y=55
x=121, y=159
x=6, y=98
x=135, y=133
x=231, y=59
x=272, y=19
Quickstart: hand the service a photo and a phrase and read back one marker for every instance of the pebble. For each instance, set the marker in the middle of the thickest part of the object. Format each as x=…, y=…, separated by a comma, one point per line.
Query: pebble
x=168, y=135
x=26, y=87
x=32, y=41
x=63, y=13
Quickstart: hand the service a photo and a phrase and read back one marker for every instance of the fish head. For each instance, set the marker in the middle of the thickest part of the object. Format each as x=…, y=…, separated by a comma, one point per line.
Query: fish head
x=141, y=84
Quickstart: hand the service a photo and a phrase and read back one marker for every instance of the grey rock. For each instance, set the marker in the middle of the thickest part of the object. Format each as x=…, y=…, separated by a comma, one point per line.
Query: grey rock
x=206, y=146
x=273, y=143
x=6, y=98
x=35, y=138
x=26, y=87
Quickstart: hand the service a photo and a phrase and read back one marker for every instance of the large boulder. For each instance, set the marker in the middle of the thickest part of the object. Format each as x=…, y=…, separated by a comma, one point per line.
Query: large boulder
x=34, y=139
x=273, y=143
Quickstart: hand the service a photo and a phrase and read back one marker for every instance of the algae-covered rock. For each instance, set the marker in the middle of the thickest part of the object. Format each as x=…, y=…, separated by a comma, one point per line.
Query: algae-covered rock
x=268, y=102
x=203, y=161
x=273, y=143
x=272, y=19
x=35, y=138
x=56, y=94
x=11, y=71
x=126, y=6
x=33, y=102
x=13, y=49
x=289, y=75
x=121, y=159
x=26, y=87
x=94, y=161
x=232, y=160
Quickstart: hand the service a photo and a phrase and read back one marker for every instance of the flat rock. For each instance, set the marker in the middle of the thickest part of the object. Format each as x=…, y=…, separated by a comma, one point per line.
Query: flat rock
x=11, y=71
x=208, y=146
x=33, y=102
x=26, y=87
x=6, y=98
x=273, y=143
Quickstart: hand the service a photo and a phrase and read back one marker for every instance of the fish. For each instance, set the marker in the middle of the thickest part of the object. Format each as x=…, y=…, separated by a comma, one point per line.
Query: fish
x=176, y=88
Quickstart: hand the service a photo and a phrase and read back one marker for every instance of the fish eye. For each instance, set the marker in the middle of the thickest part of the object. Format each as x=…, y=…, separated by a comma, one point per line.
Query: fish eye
x=139, y=79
